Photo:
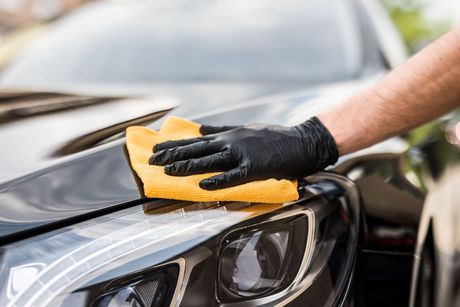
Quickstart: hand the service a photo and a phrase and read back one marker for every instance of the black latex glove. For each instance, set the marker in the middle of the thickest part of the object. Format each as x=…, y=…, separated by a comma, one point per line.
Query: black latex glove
x=249, y=153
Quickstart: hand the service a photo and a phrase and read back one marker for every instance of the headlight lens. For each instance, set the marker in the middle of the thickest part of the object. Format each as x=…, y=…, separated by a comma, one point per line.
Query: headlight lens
x=124, y=297
x=252, y=265
x=254, y=262
x=151, y=289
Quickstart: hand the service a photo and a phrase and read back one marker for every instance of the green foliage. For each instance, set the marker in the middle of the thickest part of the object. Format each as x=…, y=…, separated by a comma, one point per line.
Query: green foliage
x=415, y=28
x=417, y=31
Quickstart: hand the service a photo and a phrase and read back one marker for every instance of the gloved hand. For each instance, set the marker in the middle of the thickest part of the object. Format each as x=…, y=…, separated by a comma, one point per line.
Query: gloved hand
x=249, y=153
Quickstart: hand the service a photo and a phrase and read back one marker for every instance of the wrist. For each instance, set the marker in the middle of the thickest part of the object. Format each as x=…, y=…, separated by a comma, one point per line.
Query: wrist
x=339, y=134
x=346, y=124
x=317, y=135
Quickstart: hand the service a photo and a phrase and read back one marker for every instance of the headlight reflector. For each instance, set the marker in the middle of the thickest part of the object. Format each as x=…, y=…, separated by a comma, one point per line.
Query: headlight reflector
x=254, y=262
x=152, y=289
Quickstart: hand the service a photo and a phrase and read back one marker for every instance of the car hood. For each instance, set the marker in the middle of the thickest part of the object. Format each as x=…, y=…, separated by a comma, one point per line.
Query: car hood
x=37, y=129
x=76, y=185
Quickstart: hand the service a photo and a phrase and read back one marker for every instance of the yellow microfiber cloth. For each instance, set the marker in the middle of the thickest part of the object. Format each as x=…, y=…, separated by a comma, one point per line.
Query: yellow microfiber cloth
x=140, y=141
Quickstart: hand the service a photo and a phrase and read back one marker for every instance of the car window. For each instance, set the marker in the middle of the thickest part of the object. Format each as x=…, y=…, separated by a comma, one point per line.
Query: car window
x=190, y=41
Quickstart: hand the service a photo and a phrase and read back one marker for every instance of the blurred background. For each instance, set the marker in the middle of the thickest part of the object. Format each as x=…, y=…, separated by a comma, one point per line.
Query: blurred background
x=420, y=21
x=22, y=21
x=44, y=44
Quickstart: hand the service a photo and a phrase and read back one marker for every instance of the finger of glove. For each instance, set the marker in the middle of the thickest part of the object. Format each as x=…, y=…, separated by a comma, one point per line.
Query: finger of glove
x=233, y=177
x=205, y=130
x=195, y=150
x=220, y=161
x=177, y=143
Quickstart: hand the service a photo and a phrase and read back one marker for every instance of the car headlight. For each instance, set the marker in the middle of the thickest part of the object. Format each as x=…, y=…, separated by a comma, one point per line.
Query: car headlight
x=254, y=263
x=168, y=253
x=258, y=261
x=154, y=288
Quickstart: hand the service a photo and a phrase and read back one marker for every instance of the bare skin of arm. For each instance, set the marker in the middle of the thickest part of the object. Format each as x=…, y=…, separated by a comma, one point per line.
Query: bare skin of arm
x=425, y=87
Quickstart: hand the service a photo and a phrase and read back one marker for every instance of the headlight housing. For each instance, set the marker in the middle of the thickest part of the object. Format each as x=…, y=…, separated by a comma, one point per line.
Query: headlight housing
x=154, y=289
x=169, y=253
x=260, y=260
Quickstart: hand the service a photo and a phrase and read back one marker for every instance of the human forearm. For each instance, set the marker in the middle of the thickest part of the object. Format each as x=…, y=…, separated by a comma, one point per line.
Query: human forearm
x=425, y=87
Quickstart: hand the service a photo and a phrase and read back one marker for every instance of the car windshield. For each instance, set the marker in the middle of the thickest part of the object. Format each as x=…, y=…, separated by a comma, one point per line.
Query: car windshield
x=194, y=41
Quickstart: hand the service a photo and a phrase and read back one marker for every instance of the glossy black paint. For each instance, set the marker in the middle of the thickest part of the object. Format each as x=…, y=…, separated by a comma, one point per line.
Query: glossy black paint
x=393, y=196
x=38, y=130
x=382, y=279
x=100, y=178
x=391, y=211
x=74, y=188
x=392, y=205
x=408, y=253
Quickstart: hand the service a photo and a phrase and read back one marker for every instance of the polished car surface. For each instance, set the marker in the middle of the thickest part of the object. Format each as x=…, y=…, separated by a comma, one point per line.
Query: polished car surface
x=99, y=176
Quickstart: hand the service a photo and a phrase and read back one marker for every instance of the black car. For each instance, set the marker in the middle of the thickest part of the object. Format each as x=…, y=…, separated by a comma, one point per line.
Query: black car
x=76, y=231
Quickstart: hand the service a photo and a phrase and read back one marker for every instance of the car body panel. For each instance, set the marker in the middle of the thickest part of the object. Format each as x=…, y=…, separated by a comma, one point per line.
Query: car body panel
x=100, y=177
